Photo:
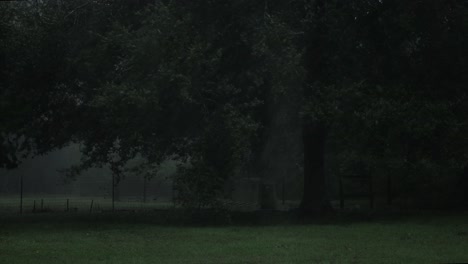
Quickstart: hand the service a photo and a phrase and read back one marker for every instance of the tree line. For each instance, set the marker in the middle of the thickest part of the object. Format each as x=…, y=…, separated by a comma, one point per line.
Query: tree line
x=376, y=85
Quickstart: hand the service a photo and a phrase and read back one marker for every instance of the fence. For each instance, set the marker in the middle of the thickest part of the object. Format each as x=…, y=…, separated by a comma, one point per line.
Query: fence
x=62, y=203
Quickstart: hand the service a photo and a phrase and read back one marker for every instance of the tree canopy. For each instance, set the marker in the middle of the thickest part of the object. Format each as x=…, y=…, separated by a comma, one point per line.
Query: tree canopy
x=381, y=83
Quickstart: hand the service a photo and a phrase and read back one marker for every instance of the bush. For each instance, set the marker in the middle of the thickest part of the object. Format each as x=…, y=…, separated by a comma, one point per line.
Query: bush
x=198, y=186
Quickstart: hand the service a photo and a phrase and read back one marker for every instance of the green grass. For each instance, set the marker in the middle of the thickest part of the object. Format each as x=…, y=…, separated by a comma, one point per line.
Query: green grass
x=439, y=239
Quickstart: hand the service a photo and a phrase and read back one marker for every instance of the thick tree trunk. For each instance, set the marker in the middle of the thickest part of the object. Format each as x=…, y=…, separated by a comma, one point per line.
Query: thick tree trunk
x=314, y=200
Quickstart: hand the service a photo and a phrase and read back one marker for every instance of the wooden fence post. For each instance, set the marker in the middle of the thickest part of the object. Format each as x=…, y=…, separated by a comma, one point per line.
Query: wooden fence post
x=113, y=191
x=371, y=193
x=145, y=182
x=283, y=191
x=91, y=206
x=389, y=190
x=21, y=194
x=341, y=194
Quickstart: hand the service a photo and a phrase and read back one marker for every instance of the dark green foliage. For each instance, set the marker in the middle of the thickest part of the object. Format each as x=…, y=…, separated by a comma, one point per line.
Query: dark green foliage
x=379, y=86
x=198, y=186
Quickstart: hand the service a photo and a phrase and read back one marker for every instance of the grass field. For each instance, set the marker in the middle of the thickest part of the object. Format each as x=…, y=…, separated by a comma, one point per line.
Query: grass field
x=32, y=239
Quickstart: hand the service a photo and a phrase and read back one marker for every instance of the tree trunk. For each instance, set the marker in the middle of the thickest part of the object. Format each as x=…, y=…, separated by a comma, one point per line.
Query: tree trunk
x=314, y=199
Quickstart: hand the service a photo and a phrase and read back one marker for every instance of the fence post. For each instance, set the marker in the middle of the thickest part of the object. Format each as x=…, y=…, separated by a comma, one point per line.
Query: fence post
x=68, y=205
x=173, y=193
x=283, y=191
x=389, y=190
x=113, y=191
x=144, y=188
x=21, y=194
x=341, y=194
x=91, y=206
x=371, y=193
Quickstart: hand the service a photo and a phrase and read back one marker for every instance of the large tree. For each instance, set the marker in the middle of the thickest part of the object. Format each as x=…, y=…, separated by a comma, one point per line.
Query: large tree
x=199, y=81
x=385, y=81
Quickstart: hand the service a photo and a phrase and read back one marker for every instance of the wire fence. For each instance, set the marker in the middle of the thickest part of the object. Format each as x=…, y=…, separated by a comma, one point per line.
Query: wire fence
x=36, y=204
x=247, y=196
x=63, y=203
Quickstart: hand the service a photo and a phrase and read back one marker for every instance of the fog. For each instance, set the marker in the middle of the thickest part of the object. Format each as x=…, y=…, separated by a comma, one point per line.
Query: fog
x=42, y=175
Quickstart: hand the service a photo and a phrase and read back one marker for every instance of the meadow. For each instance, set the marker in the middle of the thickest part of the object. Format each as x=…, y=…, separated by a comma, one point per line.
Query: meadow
x=61, y=238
